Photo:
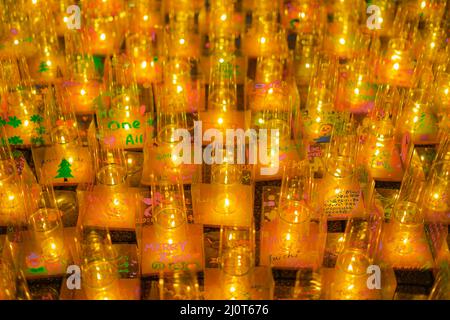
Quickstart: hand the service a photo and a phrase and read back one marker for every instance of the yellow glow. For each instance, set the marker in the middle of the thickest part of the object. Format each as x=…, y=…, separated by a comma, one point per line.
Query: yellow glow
x=396, y=66
x=262, y=40
x=220, y=120
x=65, y=19
x=16, y=42
x=423, y=4
x=82, y=92
x=342, y=41
x=307, y=66
x=145, y=17
x=182, y=41
x=144, y=64
x=356, y=91
x=436, y=196
x=223, y=17
x=179, y=89
x=102, y=36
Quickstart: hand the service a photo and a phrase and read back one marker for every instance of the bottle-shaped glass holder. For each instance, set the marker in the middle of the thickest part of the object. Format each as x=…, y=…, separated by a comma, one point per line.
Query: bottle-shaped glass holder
x=397, y=68
x=222, y=92
x=13, y=208
x=294, y=208
x=236, y=262
x=341, y=190
x=122, y=113
x=418, y=118
x=111, y=177
x=380, y=152
x=99, y=265
x=179, y=285
x=81, y=79
x=48, y=64
x=45, y=223
x=19, y=40
x=105, y=34
x=225, y=176
x=169, y=209
x=436, y=201
x=21, y=118
x=146, y=57
x=63, y=158
x=362, y=234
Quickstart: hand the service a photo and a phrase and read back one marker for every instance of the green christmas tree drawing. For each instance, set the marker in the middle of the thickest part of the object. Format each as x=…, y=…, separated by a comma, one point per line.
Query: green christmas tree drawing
x=43, y=67
x=64, y=170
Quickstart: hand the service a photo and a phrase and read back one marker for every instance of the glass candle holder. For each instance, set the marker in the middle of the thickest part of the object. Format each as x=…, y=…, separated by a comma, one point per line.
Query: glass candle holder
x=351, y=276
x=407, y=221
x=16, y=38
x=435, y=197
x=48, y=64
x=222, y=94
x=236, y=262
x=82, y=80
x=105, y=34
x=180, y=38
x=360, y=88
x=45, y=223
x=99, y=269
x=227, y=176
x=305, y=51
x=397, y=67
x=145, y=15
x=169, y=211
x=418, y=118
x=271, y=109
x=179, y=285
x=123, y=114
x=341, y=35
x=22, y=120
x=111, y=175
x=146, y=56
x=47, y=227
x=13, y=208
x=294, y=210
x=172, y=104
x=341, y=192
x=64, y=159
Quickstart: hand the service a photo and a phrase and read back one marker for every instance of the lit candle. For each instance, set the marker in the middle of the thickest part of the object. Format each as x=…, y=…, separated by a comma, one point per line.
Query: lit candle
x=83, y=94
